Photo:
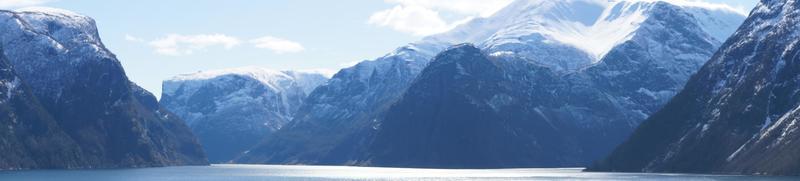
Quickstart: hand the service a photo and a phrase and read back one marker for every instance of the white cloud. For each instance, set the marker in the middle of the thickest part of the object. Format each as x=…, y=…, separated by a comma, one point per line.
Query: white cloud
x=410, y=19
x=277, y=45
x=21, y=3
x=423, y=17
x=468, y=7
x=177, y=45
x=133, y=38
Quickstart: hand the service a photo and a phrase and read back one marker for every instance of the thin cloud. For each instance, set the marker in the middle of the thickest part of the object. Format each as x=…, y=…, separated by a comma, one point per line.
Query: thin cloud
x=177, y=45
x=277, y=45
x=422, y=17
x=22, y=3
x=133, y=38
x=410, y=19
x=482, y=8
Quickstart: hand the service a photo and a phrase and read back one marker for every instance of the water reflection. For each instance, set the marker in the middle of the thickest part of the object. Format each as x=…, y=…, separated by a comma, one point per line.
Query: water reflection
x=274, y=172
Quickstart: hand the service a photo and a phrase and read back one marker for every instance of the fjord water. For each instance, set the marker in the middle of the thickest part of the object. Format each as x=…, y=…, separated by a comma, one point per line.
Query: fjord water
x=275, y=172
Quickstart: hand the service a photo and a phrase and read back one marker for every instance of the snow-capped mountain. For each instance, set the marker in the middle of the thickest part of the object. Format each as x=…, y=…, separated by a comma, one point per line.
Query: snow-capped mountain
x=572, y=34
x=231, y=110
x=607, y=65
x=82, y=86
x=737, y=115
x=336, y=112
x=468, y=100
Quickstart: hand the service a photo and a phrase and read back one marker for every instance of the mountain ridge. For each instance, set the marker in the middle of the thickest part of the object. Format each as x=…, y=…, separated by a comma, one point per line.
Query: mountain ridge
x=345, y=112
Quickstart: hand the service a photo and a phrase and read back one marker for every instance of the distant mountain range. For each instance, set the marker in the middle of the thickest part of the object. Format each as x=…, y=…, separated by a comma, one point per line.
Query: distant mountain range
x=67, y=102
x=544, y=84
x=232, y=110
x=737, y=115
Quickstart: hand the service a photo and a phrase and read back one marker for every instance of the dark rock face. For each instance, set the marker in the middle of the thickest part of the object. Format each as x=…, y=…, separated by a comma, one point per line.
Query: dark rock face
x=30, y=136
x=737, y=115
x=83, y=88
x=463, y=111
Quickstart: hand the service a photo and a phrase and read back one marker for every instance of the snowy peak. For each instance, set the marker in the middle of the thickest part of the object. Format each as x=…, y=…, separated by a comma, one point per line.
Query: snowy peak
x=278, y=81
x=568, y=35
x=261, y=74
x=70, y=40
x=63, y=26
x=590, y=25
x=52, y=12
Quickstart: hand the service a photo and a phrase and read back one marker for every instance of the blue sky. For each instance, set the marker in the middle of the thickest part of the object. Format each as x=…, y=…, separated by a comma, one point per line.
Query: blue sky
x=158, y=39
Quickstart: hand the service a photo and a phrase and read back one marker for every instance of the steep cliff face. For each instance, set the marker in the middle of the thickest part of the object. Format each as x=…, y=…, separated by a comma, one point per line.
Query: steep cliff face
x=30, y=137
x=84, y=89
x=737, y=115
x=231, y=110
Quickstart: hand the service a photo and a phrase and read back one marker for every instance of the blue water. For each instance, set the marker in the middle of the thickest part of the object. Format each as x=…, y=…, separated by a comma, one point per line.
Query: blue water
x=273, y=172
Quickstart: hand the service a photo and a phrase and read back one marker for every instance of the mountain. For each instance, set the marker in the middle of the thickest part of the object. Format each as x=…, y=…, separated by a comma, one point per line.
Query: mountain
x=461, y=113
x=231, y=110
x=581, y=74
x=329, y=124
x=31, y=137
x=737, y=115
x=570, y=35
x=86, y=101
x=473, y=109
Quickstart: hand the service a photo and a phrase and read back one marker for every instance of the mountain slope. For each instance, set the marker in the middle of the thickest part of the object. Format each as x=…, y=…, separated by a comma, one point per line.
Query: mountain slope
x=736, y=115
x=461, y=113
x=231, y=110
x=569, y=35
x=516, y=112
x=31, y=137
x=340, y=121
x=332, y=121
x=86, y=91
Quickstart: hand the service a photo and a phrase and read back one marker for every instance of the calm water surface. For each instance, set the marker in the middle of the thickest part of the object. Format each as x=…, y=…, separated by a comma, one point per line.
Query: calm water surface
x=273, y=172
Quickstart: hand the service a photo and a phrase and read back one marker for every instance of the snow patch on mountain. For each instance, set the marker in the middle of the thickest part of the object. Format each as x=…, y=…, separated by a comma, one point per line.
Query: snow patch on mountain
x=579, y=32
x=50, y=11
x=275, y=80
x=592, y=26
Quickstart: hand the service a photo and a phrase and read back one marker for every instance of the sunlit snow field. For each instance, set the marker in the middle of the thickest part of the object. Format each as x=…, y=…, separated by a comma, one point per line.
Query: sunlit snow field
x=273, y=172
